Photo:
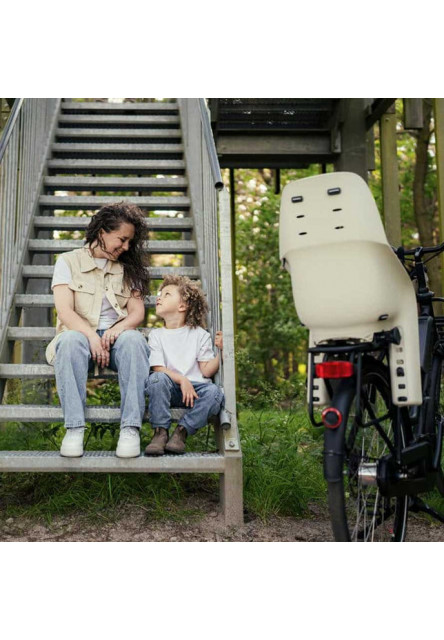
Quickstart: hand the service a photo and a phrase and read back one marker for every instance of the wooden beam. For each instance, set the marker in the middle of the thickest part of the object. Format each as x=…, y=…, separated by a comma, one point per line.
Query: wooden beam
x=413, y=113
x=378, y=107
x=438, y=107
x=390, y=178
x=353, y=156
x=313, y=146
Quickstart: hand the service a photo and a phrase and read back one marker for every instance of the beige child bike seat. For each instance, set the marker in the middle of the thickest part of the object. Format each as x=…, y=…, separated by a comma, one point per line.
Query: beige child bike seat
x=347, y=282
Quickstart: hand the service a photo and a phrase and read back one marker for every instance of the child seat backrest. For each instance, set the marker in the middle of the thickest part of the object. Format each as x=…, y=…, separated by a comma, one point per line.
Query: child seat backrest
x=346, y=280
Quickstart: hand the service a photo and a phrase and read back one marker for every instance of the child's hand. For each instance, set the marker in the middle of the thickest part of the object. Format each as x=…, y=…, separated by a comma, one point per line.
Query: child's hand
x=219, y=340
x=188, y=392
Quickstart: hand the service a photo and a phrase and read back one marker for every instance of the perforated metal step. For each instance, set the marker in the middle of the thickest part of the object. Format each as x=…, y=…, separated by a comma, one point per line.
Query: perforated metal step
x=42, y=300
x=124, y=134
x=120, y=107
x=42, y=271
x=44, y=413
x=151, y=203
x=165, y=223
x=118, y=149
x=93, y=119
x=82, y=183
x=153, y=246
x=108, y=462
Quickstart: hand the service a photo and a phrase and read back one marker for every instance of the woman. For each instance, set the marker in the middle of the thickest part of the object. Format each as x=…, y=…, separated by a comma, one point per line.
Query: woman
x=99, y=295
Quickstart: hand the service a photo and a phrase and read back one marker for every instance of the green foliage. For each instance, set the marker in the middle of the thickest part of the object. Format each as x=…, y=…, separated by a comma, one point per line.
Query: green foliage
x=270, y=341
x=282, y=463
x=282, y=473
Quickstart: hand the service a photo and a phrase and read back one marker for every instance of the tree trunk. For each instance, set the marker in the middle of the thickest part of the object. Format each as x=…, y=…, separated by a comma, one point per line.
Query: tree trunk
x=423, y=206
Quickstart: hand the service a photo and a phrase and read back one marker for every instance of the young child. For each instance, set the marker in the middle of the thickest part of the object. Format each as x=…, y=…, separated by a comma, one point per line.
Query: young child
x=183, y=362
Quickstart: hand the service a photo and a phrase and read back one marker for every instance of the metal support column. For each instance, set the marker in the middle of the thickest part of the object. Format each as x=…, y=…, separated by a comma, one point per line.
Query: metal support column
x=438, y=106
x=390, y=178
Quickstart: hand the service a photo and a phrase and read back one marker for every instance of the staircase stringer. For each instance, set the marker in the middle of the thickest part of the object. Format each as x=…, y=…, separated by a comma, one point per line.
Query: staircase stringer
x=30, y=118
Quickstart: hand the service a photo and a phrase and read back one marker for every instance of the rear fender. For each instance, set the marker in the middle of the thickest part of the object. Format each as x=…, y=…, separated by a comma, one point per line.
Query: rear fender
x=334, y=438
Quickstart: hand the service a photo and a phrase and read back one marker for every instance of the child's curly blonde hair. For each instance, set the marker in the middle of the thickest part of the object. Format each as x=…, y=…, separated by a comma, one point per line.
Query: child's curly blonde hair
x=191, y=293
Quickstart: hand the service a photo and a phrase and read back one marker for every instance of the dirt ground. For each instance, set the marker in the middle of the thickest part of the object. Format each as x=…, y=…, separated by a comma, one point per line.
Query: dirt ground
x=134, y=525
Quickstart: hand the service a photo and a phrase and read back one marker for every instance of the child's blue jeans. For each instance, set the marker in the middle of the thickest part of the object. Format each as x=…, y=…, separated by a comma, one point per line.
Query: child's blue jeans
x=164, y=393
x=129, y=356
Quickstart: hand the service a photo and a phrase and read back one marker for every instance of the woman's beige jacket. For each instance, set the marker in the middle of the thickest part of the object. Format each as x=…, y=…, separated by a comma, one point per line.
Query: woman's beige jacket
x=90, y=284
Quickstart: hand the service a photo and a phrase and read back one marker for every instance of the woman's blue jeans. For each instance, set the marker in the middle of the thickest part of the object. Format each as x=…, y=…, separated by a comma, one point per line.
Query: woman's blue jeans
x=129, y=356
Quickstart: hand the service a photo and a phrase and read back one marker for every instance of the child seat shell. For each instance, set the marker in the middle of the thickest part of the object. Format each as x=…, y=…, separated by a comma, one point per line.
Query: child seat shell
x=347, y=282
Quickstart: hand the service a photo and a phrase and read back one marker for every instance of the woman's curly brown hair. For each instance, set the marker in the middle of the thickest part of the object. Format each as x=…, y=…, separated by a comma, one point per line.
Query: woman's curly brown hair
x=109, y=218
x=191, y=293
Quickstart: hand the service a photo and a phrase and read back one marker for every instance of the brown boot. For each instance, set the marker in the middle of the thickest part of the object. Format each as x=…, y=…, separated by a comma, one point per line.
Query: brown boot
x=157, y=445
x=177, y=442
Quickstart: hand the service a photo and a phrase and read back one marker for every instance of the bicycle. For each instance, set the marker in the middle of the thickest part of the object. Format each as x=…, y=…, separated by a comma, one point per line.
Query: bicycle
x=382, y=434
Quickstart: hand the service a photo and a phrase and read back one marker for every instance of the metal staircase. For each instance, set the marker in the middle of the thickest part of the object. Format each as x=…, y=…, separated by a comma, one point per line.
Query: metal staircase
x=62, y=156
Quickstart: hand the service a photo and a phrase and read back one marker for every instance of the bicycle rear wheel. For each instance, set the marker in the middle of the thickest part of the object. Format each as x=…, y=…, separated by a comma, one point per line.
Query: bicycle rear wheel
x=434, y=415
x=358, y=511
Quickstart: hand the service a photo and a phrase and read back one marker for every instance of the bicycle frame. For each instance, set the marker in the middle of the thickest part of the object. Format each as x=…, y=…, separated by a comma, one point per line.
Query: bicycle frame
x=420, y=453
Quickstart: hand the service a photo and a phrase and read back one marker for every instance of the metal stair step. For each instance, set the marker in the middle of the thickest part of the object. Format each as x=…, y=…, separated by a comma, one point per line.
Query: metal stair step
x=119, y=120
x=81, y=222
x=125, y=134
x=151, y=203
x=108, y=462
x=101, y=165
x=41, y=371
x=153, y=246
x=42, y=333
x=42, y=300
x=45, y=413
x=120, y=107
x=113, y=149
x=82, y=183
x=43, y=271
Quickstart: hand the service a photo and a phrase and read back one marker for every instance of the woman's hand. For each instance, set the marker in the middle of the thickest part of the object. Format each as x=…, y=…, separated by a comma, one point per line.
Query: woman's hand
x=188, y=392
x=111, y=335
x=98, y=352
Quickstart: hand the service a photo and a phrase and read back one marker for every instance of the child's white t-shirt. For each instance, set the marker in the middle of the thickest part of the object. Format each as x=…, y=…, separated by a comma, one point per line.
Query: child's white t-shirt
x=62, y=275
x=181, y=350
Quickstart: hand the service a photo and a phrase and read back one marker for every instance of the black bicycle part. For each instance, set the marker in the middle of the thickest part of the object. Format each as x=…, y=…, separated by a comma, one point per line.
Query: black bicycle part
x=358, y=510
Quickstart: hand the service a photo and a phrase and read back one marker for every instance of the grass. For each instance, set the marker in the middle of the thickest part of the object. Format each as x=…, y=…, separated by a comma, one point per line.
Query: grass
x=282, y=473
x=282, y=468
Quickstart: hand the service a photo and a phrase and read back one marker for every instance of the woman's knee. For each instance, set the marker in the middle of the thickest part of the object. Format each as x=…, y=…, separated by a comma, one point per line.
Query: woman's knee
x=132, y=338
x=71, y=341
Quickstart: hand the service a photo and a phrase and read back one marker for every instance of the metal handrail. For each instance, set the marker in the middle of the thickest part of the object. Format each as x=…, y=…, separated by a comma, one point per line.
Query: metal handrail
x=211, y=146
x=24, y=148
x=9, y=127
x=210, y=206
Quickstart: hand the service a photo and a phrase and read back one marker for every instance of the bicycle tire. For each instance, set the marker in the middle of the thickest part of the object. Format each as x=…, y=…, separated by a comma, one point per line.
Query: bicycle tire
x=434, y=415
x=360, y=513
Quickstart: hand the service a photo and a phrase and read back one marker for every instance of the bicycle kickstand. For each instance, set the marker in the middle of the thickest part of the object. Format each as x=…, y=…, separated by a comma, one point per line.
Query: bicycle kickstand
x=416, y=505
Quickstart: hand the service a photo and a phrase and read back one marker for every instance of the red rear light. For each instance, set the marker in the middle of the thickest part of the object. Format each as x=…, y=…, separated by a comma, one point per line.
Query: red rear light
x=331, y=417
x=334, y=369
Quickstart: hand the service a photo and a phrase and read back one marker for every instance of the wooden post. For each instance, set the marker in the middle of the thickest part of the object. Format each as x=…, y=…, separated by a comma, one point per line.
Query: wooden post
x=390, y=178
x=438, y=106
x=353, y=138
x=233, y=244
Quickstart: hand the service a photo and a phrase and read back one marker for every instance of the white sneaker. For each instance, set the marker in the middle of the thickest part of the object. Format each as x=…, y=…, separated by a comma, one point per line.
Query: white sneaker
x=129, y=443
x=72, y=444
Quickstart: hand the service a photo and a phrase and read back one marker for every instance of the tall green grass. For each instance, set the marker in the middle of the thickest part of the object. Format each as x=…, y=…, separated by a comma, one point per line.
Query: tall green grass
x=282, y=473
